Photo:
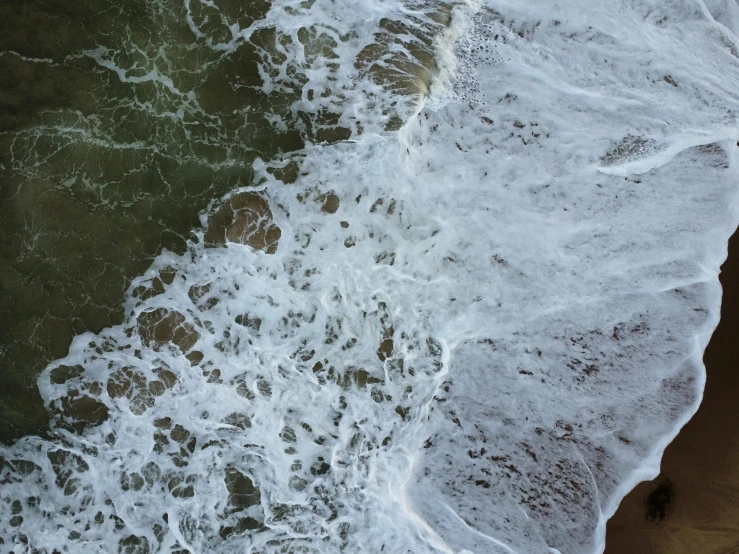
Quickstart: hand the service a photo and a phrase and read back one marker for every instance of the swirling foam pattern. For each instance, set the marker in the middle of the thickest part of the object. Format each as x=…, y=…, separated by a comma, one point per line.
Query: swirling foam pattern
x=471, y=334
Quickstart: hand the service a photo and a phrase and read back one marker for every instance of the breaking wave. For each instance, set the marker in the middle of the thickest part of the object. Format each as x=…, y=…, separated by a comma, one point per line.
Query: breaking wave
x=470, y=326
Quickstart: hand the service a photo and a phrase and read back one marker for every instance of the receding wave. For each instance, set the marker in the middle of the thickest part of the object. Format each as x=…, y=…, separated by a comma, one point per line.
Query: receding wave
x=467, y=318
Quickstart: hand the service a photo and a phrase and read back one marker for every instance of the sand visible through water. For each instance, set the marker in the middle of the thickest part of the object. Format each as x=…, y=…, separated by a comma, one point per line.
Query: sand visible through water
x=693, y=506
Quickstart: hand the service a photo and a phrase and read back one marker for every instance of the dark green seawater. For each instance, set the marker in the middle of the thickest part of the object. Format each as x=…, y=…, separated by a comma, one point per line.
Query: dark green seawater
x=99, y=174
x=119, y=123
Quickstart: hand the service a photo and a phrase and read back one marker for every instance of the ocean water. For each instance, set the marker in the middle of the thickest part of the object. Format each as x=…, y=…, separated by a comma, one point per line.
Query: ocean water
x=461, y=310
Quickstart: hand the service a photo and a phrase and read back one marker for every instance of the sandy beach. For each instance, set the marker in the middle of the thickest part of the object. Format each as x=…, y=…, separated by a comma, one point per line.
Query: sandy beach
x=693, y=506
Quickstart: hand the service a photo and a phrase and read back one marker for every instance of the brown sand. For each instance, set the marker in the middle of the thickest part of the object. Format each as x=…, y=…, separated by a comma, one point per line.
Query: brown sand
x=702, y=463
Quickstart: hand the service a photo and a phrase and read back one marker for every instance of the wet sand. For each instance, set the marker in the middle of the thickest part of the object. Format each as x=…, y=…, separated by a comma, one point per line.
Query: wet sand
x=695, y=501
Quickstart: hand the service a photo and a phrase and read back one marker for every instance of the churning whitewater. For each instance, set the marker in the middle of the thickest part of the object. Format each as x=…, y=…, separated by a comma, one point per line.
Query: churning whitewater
x=472, y=333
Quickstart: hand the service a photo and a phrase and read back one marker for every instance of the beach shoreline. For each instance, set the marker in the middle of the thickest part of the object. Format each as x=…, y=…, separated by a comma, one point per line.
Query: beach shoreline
x=692, y=507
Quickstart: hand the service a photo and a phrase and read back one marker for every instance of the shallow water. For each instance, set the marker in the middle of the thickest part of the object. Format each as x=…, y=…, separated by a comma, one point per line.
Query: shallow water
x=463, y=316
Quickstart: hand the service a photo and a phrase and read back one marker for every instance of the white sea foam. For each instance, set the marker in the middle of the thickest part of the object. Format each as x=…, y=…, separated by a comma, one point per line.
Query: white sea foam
x=481, y=348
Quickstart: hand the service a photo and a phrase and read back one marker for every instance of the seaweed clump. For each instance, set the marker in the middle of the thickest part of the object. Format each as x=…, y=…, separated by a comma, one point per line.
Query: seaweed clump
x=659, y=502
